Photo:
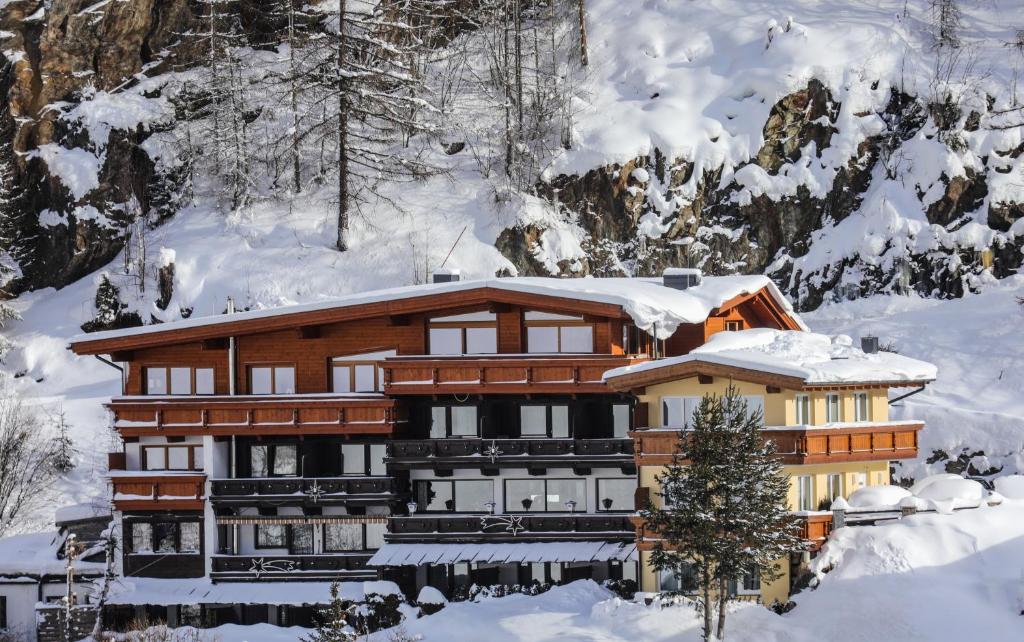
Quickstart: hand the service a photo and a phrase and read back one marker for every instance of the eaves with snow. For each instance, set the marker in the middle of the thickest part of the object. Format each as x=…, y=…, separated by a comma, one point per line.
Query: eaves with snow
x=653, y=307
x=807, y=357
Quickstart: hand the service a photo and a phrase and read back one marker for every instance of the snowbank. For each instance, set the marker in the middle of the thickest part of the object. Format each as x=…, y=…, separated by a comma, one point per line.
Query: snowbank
x=877, y=497
x=1010, y=486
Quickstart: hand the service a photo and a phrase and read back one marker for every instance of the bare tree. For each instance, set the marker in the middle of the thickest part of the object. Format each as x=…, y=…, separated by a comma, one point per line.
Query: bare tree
x=27, y=456
x=947, y=20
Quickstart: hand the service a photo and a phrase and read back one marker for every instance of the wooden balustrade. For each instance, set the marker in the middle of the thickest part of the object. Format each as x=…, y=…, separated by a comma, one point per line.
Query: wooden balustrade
x=510, y=527
x=526, y=452
x=159, y=491
x=504, y=374
x=252, y=415
x=804, y=445
x=303, y=490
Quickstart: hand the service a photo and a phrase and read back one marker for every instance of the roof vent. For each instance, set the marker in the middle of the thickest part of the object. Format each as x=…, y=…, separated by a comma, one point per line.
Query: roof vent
x=681, y=278
x=869, y=344
x=446, y=275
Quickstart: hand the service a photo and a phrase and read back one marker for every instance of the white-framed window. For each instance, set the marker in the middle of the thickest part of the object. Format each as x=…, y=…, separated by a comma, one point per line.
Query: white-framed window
x=272, y=380
x=550, y=333
x=805, y=492
x=862, y=406
x=178, y=380
x=542, y=420
x=683, y=580
x=750, y=582
x=473, y=333
x=733, y=326
x=359, y=372
x=835, y=485
x=833, y=408
x=803, y=410
x=677, y=412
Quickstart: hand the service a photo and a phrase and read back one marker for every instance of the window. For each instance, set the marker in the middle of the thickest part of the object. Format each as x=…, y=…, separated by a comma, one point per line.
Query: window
x=353, y=459
x=544, y=421
x=301, y=540
x=461, y=496
x=166, y=537
x=453, y=421
x=835, y=486
x=861, y=480
x=274, y=460
x=803, y=410
x=359, y=372
x=754, y=406
x=615, y=494
x=179, y=381
x=750, y=582
x=272, y=380
x=343, y=537
x=271, y=536
x=577, y=338
x=682, y=580
x=545, y=495
x=832, y=412
x=172, y=457
x=861, y=407
x=375, y=535
x=677, y=412
x=620, y=420
x=805, y=486
x=733, y=326
x=377, y=454
x=142, y=537
x=474, y=333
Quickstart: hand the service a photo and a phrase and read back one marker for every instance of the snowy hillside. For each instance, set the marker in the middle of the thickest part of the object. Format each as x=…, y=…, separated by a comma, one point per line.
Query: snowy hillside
x=788, y=144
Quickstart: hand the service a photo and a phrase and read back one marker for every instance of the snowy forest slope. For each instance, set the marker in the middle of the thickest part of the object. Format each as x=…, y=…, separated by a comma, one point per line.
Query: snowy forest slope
x=843, y=148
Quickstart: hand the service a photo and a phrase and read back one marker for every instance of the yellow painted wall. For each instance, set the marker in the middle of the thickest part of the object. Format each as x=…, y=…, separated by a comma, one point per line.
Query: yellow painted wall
x=777, y=590
x=876, y=473
x=779, y=407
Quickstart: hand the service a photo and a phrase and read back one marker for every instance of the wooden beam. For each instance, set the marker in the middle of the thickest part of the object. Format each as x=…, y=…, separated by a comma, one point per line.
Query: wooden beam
x=705, y=379
x=309, y=332
x=122, y=356
x=214, y=344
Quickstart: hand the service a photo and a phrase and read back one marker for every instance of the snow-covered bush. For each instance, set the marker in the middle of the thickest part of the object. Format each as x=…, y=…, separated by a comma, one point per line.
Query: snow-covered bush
x=431, y=600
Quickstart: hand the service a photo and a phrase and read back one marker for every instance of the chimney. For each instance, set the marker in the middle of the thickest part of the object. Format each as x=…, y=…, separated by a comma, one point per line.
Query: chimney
x=446, y=275
x=869, y=344
x=681, y=278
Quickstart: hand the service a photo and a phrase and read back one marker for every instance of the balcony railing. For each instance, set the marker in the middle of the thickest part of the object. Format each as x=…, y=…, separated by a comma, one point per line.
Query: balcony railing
x=270, y=566
x=815, y=528
x=304, y=490
x=509, y=528
x=140, y=490
x=476, y=453
x=849, y=442
x=252, y=415
x=500, y=374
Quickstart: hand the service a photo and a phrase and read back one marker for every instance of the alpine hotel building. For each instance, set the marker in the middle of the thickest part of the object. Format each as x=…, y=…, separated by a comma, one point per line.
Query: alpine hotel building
x=447, y=434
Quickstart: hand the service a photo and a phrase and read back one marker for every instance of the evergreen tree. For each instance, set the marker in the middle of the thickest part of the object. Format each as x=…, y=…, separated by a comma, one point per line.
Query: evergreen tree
x=724, y=512
x=64, y=447
x=333, y=621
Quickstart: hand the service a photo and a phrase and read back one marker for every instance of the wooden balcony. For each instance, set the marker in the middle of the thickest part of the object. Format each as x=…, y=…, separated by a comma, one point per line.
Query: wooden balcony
x=299, y=491
x=805, y=444
x=253, y=415
x=510, y=528
x=815, y=528
x=158, y=490
x=525, y=453
x=274, y=567
x=513, y=374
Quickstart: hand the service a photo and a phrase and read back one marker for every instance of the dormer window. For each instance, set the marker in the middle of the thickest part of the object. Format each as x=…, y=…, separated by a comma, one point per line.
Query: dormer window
x=553, y=333
x=473, y=333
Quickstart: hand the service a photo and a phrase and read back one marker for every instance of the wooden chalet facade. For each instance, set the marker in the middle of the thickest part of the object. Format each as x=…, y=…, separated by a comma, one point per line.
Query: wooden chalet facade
x=390, y=435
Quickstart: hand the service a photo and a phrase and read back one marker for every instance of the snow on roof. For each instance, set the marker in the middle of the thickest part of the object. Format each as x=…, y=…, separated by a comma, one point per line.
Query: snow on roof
x=146, y=590
x=86, y=510
x=651, y=305
x=416, y=554
x=812, y=357
x=36, y=554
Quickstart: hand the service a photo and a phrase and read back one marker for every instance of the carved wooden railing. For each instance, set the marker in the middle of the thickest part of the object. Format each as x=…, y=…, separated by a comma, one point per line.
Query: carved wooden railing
x=148, y=491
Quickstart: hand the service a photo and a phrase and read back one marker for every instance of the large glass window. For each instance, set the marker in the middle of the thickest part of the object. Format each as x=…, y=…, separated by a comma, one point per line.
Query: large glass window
x=560, y=422
x=462, y=496
x=377, y=454
x=544, y=421
x=545, y=495
x=552, y=338
x=525, y=495
x=272, y=380
x=165, y=537
x=301, y=540
x=204, y=381
x=375, y=535
x=615, y=494
x=343, y=537
x=181, y=381
x=353, y=459
x=445, y=341
x=453, y=421
x=273, y=460
x=677, y=412
x=156, y=381
x=271, y=536
x=184, y=457
x=682, y=580
x=481, y=340
x=805, y=492
x=142, y=537
x=190, y=538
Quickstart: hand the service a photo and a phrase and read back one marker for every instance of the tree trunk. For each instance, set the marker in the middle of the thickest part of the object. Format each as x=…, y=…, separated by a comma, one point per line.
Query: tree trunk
x=343, y=196
x=706, y=588
x=583, y=33
x=723, y=598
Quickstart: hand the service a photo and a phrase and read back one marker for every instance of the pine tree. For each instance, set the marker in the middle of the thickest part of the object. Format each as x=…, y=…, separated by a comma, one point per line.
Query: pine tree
x=724, y=512
x=333, y=621
x=64, y=447
x=947, y=19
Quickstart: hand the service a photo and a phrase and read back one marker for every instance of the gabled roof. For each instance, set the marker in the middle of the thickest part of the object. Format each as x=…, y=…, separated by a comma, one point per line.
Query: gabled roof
x=652, y=307
x=793, y=360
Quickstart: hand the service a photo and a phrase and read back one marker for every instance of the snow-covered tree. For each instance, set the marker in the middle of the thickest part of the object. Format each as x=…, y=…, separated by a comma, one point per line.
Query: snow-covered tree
x=947, y=20
x=332, y=623
x=64, y=447
x=724, y=505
